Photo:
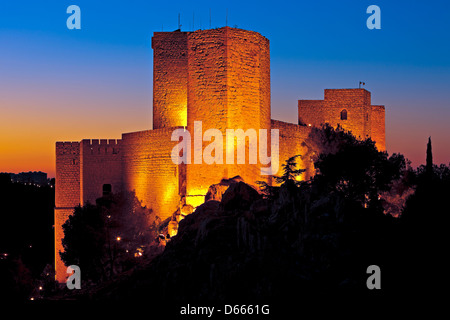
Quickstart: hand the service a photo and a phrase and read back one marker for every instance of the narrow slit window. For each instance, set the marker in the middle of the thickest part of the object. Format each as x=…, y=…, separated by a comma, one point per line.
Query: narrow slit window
x=107, y=189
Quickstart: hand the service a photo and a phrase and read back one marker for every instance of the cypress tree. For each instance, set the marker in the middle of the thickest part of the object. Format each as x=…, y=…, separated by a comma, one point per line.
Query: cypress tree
x=429, y=165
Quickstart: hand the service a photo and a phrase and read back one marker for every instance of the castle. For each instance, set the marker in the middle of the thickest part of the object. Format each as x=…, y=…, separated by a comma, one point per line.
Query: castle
x=222, y=78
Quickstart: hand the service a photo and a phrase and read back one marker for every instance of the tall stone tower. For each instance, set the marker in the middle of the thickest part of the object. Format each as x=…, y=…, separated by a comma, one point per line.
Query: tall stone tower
x=228, y=88
x=220, y=77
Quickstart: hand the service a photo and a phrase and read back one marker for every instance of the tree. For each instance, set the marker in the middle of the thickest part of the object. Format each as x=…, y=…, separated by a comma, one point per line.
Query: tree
x=290, y=174
x=109, y=237
x=355, y=168
x=290, y=171
x=424, y=222
x=429, y=165
x=26, y=234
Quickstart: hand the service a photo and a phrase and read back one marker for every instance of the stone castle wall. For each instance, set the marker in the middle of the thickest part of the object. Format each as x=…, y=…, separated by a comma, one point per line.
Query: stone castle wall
x=67, y=194
x=291, y=138
x=100, y=164
x=378, y=127
x=149, y=170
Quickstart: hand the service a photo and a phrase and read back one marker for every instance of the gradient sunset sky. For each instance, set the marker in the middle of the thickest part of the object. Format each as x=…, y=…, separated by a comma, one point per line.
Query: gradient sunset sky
x=66, y=85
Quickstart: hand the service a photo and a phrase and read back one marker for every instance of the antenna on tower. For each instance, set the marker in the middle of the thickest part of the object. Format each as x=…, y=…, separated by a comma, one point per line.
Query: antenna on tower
x=193, y=20
x=210, y=18
x=179, y=24
x=226, y=19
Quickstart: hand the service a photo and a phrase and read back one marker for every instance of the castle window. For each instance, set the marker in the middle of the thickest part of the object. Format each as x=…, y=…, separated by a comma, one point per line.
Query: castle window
x=344, y=114
x=107, y=189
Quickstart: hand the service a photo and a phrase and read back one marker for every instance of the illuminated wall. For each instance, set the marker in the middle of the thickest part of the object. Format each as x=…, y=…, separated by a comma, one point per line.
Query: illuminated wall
x=228, y=88
x=100, y=164
x=291, y=138
x=148, y=169
x=362, y=119
x=378, y=127
x=169, y=79
x=67, y=194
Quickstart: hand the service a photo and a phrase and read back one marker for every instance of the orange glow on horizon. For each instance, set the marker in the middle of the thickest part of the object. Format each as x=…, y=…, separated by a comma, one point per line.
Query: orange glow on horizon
x=30, y=130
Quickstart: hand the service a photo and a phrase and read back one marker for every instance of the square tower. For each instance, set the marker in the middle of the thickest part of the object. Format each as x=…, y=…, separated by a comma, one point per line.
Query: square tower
x=349, y=108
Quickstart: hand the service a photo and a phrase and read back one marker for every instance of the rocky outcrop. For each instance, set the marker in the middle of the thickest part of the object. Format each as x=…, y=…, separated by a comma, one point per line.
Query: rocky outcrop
x=245, y=246
x=216, y=191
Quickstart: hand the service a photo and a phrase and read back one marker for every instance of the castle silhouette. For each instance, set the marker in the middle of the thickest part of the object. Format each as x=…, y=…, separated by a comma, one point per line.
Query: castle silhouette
x=222, y=78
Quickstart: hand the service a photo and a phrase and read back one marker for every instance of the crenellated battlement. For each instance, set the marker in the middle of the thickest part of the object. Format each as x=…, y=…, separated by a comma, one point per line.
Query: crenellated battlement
x=101, y=146
x=67, y=148
x=101, y=142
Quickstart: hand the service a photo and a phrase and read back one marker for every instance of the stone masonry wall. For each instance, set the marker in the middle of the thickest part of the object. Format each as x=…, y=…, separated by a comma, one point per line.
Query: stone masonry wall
x=100, y=164
x=292, y=139
x=357, y=104
x=248, y=90
x=363, y=119
x=148, y=169
x=67, y=194
x=228, y=88
x=378, y=127
x=169, y=79
x=207, y=102
x=311, y=112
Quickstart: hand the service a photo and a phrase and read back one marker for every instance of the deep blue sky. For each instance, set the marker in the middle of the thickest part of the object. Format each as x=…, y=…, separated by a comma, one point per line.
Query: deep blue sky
x=52, y=78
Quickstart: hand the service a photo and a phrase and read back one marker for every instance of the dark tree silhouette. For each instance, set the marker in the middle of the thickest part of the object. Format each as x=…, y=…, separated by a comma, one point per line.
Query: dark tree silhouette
x=290, y=171
x=429, y=163
x=290, y=174
x=26, y=235
x=109, y=237
x=354, y=168
x=425, y=221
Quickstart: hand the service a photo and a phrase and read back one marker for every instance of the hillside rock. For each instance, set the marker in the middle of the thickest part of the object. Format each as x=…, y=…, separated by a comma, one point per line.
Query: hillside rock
x=216, y=191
